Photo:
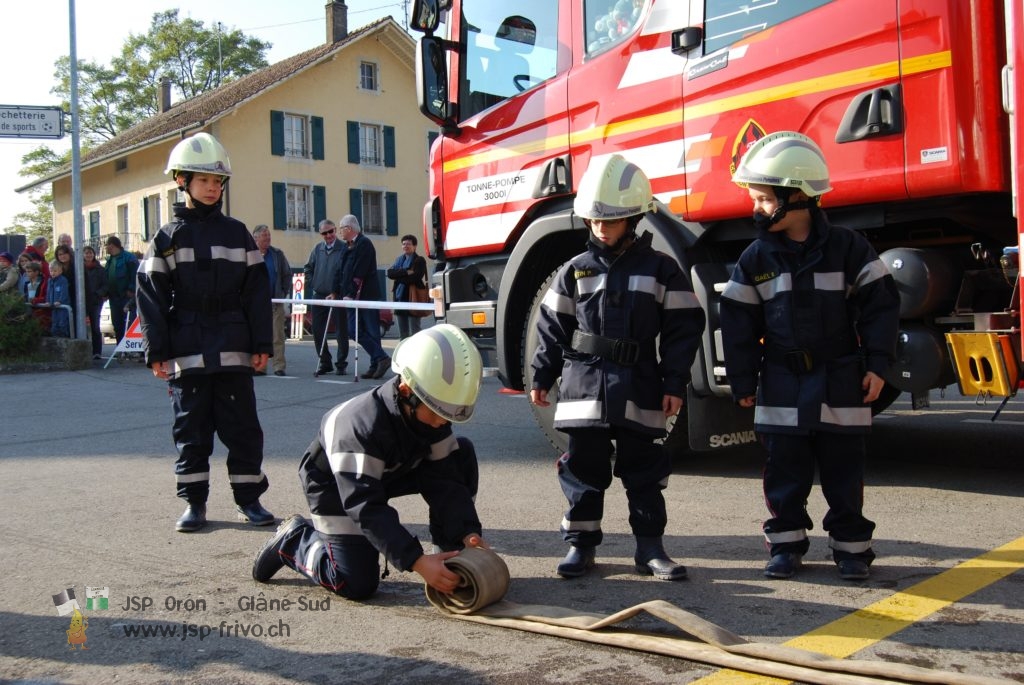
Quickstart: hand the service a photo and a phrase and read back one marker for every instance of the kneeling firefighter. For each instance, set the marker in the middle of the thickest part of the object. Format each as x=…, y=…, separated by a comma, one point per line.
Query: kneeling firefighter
x=391, y=441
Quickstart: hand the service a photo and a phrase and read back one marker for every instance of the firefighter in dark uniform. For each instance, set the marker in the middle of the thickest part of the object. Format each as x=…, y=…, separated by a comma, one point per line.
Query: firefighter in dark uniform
x=391, y=441
x=599, y=330
x=809, y=321
x=204, y=306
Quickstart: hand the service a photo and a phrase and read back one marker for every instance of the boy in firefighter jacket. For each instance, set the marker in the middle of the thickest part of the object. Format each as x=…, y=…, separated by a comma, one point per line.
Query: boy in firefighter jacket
x=599, y=330
x=809, y=321
x=204, y=309
x=391, y=441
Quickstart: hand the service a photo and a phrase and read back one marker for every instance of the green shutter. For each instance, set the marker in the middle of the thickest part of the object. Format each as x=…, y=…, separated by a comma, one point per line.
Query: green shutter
x=319, y=204
x=145, y=220
x=353, y=142
x=280, y=206
x=391, y=213
x=355, y=204
x=277, y=133
x=317, y=129
x=389, y=146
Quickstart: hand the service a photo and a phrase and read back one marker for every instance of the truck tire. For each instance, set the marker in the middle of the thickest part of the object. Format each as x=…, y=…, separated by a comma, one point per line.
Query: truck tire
x=677, y=442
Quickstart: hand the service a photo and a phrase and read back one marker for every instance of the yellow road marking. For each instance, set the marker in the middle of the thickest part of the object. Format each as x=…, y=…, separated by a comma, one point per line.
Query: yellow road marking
x=875, y=622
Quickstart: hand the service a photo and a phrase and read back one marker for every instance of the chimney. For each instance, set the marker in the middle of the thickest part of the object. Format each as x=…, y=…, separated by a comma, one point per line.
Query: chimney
x=164, y=103
x=337, y=21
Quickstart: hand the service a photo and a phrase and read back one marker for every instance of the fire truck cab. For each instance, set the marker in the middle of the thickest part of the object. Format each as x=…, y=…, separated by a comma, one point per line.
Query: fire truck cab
x=910, y=100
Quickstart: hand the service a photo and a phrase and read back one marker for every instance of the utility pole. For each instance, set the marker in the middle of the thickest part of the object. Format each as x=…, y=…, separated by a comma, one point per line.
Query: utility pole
x=76, y=183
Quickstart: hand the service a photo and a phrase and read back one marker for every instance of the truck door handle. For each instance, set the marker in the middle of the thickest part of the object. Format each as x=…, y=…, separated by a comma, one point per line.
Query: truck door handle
x=874, y=113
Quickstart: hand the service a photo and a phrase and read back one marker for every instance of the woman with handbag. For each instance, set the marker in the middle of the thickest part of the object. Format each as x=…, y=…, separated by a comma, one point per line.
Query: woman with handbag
x=408, y=272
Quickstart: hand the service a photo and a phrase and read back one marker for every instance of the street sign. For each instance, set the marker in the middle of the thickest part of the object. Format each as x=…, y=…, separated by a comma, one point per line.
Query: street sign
x=21, y=121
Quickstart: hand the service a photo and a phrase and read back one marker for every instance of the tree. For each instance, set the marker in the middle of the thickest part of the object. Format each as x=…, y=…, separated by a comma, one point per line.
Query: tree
x=40, y=162
x=113, y=99
x=196, y=59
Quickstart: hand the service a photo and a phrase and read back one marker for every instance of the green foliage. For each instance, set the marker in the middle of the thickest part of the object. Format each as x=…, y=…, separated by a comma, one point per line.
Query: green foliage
x=196, y=58
x=19, y=330
x=112, y=99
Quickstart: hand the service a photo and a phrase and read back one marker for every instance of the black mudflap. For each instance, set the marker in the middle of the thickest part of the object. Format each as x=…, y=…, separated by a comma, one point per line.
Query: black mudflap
x=717, y=422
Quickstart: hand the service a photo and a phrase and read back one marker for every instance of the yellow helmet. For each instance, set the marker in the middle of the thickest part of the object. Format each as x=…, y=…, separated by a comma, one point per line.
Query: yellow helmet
x=199, y=154
x=443, y=368
x=785, y=159
x=613, y=189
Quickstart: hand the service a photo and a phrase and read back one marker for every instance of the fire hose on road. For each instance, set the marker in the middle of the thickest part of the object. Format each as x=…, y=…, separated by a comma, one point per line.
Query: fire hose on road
x=485, y=581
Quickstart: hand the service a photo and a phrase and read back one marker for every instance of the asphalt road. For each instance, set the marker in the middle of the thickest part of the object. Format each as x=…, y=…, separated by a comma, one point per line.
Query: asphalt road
x=86, y=479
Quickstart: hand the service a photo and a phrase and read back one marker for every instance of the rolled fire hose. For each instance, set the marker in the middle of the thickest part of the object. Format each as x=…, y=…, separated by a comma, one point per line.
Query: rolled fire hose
x=484, y=581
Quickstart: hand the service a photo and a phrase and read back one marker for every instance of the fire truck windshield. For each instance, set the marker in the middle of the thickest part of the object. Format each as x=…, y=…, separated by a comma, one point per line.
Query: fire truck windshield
x=505, y=53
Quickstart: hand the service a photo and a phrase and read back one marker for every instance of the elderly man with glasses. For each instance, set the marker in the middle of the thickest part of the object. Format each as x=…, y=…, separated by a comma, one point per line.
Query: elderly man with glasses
x=321, y=270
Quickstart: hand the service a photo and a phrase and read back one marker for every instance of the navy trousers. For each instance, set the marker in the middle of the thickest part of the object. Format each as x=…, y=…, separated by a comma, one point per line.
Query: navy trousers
x=225, y=404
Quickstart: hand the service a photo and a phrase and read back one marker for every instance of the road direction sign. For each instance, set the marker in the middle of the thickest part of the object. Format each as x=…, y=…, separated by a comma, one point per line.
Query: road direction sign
x=23, y=121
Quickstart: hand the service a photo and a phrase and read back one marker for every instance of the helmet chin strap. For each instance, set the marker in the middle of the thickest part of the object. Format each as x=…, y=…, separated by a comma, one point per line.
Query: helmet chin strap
x=202, y=208
x=628, y=235
x=780, y=212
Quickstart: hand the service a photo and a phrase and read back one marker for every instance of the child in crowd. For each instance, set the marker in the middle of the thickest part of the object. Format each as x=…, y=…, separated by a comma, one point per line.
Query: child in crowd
x=34, y=289
x=57, y=295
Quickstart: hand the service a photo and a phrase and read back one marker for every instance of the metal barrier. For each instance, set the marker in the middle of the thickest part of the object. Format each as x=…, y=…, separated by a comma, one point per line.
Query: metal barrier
x=360, y=304
x=71, y=314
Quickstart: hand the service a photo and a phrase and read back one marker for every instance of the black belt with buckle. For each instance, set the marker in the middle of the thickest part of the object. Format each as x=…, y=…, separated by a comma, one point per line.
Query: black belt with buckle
x=208, y=304
x=624, y=351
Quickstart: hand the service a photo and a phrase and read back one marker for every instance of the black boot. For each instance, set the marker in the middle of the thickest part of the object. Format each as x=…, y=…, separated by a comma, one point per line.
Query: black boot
x=577, y=562
x=651, y=559
x=268, y=559
x=254, y=513
x=193, y=519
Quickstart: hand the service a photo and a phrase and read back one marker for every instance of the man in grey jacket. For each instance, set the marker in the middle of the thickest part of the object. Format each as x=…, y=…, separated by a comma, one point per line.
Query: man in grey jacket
x=321, y=270
x=280, y=272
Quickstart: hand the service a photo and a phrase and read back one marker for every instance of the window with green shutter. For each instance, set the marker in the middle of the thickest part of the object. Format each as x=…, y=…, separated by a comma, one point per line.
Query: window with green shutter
x=317, y=130
x=389, y=146
x=391, y=213
x=277, y=133
x=352, y=128
x=319, y=204
x=280, y=195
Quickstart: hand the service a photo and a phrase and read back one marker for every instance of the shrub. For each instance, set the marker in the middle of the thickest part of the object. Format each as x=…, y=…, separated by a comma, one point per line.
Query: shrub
x=19, y=330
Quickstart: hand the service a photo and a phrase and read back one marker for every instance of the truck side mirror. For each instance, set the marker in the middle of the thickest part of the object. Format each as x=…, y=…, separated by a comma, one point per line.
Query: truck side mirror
x=432, y=82
x=426, y=14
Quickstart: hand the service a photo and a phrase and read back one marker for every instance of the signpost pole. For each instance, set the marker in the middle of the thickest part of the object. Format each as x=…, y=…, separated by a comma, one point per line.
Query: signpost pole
x=76, y=183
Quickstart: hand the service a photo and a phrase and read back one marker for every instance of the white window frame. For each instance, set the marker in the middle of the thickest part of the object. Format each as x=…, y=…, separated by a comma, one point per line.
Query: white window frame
x=369, y=76
x=123, y=217
x=296, y=126
x=374, y=219
x=299, y=201
x=153, y=215
x=371, y=144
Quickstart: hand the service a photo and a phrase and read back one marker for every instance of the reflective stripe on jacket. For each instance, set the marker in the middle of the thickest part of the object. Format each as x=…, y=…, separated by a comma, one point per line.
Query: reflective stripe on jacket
x=204, y=296
x=827, y=312
x=638, y=296
x=367, y=444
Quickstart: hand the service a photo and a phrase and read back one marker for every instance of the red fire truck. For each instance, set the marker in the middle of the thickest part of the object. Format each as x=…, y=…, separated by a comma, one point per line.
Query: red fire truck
x=911, y=100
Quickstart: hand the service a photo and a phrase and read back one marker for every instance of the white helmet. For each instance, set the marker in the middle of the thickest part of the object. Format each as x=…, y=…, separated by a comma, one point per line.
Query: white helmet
x=612, y=190
x=785, y=159
x=199, y=154
x=443, y=368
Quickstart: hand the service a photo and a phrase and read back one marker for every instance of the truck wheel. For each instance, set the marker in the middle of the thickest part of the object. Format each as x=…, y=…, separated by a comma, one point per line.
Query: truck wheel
x=545, y=416
x=677, y=442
